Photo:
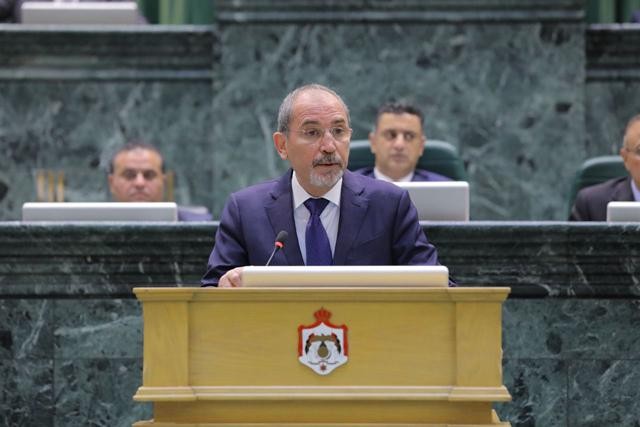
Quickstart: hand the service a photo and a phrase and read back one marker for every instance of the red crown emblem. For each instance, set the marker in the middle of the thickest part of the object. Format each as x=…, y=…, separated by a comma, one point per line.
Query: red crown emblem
x=322, y=315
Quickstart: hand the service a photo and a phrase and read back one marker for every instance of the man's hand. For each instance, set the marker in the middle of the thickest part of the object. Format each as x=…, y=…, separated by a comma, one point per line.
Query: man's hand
x=231, y=279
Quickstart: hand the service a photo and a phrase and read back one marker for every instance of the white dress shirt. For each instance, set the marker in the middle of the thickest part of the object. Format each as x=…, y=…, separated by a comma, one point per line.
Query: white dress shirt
x=330, y=216
x=379, y=175
x=635, y=191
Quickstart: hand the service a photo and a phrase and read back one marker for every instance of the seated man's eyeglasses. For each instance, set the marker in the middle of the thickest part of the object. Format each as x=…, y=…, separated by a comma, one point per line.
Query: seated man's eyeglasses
x=313, y=134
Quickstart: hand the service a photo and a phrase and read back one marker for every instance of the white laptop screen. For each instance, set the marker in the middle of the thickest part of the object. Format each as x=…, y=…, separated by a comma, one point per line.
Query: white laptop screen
x=346, y=276
x=98, y=211
x=623, y=211
x=439, y=201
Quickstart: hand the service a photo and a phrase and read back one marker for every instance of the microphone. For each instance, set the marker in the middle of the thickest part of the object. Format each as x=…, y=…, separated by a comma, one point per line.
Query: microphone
x=278, y=244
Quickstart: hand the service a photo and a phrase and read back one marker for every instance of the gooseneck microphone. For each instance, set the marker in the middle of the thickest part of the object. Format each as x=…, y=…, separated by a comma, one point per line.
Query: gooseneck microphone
x=278, y=244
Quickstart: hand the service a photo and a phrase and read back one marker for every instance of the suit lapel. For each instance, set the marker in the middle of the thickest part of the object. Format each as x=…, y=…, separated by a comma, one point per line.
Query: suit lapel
x=280, y=212
x=623, y=191
x=353, y=206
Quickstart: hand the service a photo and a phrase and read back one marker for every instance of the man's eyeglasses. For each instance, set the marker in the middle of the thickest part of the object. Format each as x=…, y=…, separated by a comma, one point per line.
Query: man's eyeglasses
x=392, y=134
x=312, y=135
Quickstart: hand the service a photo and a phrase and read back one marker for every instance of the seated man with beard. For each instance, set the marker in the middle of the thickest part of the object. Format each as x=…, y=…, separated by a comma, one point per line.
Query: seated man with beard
x=332, y=216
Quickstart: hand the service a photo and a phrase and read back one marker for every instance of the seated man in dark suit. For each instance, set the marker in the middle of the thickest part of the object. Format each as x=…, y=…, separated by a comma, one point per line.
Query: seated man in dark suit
x=136, y=174
x=397, y=142
x=591, y=202
x=332, y=216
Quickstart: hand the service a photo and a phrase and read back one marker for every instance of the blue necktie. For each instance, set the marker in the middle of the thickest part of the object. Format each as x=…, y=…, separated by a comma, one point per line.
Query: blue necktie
x=317, y=242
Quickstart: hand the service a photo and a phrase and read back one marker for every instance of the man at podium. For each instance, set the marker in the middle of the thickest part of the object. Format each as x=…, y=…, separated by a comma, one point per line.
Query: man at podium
x=330, y=215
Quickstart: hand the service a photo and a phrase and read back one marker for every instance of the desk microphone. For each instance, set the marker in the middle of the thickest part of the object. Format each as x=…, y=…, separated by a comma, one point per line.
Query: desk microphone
x=278, y=244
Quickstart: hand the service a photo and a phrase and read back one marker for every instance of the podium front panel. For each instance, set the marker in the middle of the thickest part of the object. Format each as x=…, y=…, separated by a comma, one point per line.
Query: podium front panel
x=426, y=356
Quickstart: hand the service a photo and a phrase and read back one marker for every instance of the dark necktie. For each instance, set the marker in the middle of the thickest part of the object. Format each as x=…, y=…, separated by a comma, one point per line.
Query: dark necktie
x=317, y=242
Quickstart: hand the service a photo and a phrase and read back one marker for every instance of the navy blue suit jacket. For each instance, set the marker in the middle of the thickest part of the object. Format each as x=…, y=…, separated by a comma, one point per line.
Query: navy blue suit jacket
x=591, y=202
x=378, y=226
x=418, y=175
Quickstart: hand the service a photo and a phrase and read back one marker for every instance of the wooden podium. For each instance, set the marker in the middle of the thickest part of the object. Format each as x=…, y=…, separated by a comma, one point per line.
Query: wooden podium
x=411, y=356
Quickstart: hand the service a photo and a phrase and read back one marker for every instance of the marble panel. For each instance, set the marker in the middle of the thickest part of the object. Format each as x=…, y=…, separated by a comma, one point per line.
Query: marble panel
x=59, y=259
x=609, y=106
x=604, y=392
x=69, y=96
x=97, y=328
x=385, y=11
x=538, y=390
x=505, y=95
x=613, y=85
x=26, y=392
x=98, y=392
x=555, y=259
x=105, y=53
x=90, y=336
x=74, y=127
x=532, y=329
x=26, y=329
x=548, y=259
x=571, y=329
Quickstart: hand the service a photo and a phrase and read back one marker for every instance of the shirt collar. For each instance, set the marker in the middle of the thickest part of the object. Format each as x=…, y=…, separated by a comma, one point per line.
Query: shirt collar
x=383, y=177
x=635, y=190
x=300, y=195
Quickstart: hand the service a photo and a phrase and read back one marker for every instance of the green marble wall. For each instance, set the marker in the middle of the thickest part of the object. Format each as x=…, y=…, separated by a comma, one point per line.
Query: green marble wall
x=70, y=327
x=508, y=82
x=522, y=88
x=503, y=81
x=71, y=330
x=571, y=362
x=613, y=85
x=69, y=97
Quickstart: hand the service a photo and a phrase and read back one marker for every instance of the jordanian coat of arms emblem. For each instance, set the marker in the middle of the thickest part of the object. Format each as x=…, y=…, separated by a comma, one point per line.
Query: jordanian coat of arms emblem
x=323, y=346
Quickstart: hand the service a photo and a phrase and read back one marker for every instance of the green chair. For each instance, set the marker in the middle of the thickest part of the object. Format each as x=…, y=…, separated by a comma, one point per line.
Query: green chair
x=438, y=156
x=594, y=171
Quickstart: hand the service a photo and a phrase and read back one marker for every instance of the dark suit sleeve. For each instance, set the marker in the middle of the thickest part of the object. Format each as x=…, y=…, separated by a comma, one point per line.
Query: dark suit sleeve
x=410, y=245
x=580, y=208
x=229, y=250
x=591, y=202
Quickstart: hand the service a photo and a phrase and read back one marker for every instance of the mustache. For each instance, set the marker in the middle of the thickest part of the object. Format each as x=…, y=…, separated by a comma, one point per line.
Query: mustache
x=327, y=159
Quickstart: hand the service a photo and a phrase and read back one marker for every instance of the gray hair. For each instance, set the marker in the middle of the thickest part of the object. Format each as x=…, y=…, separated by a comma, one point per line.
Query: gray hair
x=286, y=108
